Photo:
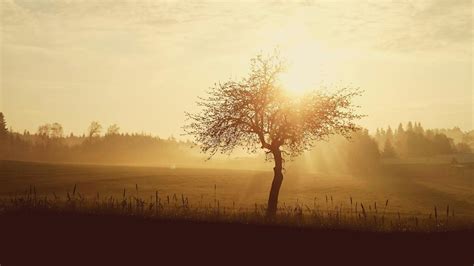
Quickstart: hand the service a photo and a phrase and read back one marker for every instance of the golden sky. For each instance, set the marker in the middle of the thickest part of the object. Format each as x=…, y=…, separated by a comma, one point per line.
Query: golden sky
x=141, y=64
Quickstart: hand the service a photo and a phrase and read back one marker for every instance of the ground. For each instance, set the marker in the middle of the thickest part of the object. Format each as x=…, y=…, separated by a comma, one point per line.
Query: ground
x=412, y=189
x=69, y=239
x=52, y=237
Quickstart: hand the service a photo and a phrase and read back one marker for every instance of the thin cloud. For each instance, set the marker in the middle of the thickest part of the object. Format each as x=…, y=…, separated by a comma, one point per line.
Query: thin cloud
x=436, y=25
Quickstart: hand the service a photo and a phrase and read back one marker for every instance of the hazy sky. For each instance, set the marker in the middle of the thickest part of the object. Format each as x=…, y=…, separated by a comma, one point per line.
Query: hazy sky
x=141, y=64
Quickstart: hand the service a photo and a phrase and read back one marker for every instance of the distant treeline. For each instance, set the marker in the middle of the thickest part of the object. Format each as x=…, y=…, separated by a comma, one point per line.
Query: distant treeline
x=362, y=153
x=414, y=140
x=50, y=143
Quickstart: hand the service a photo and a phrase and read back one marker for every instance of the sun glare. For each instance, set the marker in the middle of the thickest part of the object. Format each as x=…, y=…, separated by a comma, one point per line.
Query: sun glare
x=304, y=70
x=304, y=55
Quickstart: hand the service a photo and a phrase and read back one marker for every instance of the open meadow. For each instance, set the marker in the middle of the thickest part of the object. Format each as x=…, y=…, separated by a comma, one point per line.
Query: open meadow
x=411, y=189
x=131, y=215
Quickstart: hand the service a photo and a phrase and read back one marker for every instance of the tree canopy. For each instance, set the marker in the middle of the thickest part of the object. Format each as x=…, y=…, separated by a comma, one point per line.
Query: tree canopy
x=256, y=112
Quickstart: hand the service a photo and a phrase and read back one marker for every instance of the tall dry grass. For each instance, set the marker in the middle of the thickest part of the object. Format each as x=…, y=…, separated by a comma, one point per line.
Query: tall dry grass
x=352, y=215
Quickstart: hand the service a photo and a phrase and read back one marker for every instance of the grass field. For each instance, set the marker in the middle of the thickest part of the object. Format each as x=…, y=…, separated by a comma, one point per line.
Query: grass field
x=412, y=190
x=79, y=214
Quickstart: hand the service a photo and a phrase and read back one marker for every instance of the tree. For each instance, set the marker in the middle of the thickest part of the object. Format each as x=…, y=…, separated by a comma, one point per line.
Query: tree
x=389, y=134
x=94, y=129
x=113, y=130
x=400, y=138
x=3, y=126
x=419, y=129
x=400, y=129
x=388, y=150
x=44, y=131
x=56, y=130
x=256, y=113
x=442, y=144
x=362, y=153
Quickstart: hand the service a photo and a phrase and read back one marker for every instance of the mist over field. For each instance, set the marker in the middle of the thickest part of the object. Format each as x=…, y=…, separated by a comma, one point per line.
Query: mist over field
x=415, y=169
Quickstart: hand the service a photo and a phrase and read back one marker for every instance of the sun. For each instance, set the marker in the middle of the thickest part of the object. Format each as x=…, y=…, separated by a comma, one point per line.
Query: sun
x=304, y=69
x=305, y=58
x=295, y=81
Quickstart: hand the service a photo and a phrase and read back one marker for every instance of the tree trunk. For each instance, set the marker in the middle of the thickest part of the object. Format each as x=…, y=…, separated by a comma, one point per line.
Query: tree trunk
x=276, y=184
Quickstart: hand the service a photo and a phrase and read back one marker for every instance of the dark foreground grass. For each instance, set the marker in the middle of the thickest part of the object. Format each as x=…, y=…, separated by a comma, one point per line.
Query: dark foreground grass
x=172, y=231
x=69, y=238
x=356, y=216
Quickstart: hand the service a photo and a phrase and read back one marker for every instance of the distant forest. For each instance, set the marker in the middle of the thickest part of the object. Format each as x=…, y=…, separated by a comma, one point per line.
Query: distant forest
x=50, y=144
x=414, y=140
x=110, y=146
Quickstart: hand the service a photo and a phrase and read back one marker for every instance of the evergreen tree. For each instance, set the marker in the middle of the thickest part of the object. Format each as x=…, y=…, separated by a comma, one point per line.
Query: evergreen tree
x=389, y=150
x=389, y=133
x=378, y=135
x=419, y=129
x=3, y=126
x=442, y=144
x=362, y=152
x=400, y=129
x=400, y=140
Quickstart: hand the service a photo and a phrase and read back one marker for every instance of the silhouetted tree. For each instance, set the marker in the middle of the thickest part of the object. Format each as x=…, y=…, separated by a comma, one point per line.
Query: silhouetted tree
x=400, y=140
x=363, y=153
x=257, y=113
x=44, y=130
x=379, y=135
x=443, y=144
x=400, y=129
x=3, y=126
x=388, y=150
x=113, y=130
x=419, y=129
x=4, y=147
x=94, y=129
x=56, y=130
x=389, y=134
